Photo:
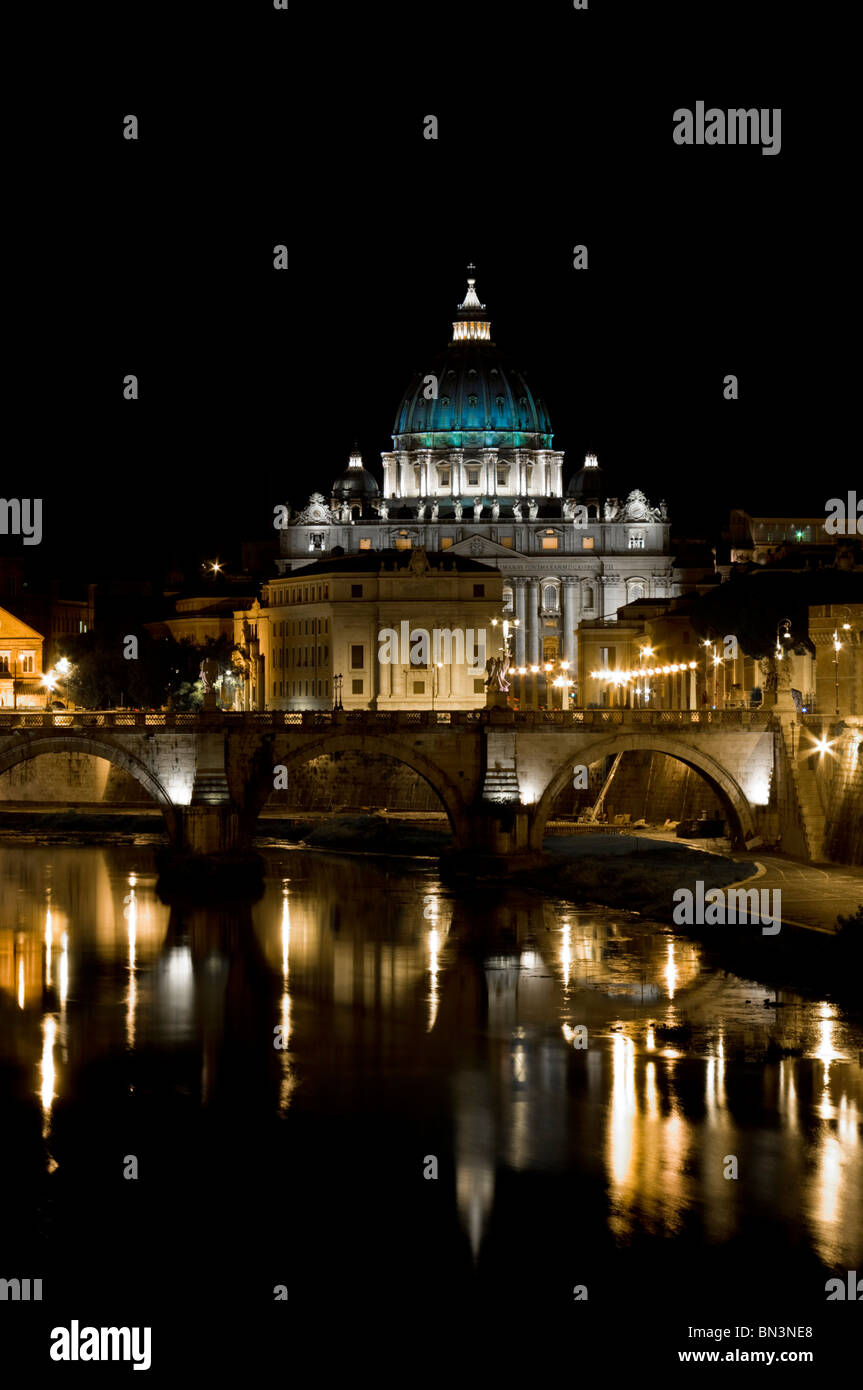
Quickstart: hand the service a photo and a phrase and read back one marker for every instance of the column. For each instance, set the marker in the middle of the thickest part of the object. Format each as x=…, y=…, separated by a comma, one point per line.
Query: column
x=533, y=621
x=569, y=619
x=519, y=583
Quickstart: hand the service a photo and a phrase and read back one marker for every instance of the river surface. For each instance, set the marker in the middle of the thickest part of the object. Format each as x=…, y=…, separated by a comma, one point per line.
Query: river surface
x=285, y=1076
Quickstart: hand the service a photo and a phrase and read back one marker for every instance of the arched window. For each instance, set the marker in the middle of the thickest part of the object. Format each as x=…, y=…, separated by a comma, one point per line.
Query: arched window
x=588, y=596
x=507, y=600
x=549, y=598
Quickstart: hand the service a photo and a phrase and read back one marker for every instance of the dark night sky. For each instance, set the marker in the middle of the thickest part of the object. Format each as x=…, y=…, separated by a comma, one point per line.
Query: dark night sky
x=555, y=129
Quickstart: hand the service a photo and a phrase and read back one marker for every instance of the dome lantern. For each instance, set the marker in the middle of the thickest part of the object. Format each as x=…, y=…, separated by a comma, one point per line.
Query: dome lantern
x=472, y=321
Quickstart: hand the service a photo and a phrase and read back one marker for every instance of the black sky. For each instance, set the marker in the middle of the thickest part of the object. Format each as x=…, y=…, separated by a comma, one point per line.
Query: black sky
x=306, y=129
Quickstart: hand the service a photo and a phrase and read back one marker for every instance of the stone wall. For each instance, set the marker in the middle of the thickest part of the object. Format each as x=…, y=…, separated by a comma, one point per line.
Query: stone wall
x=656, y=788
x=70, y=777
x=354, y=780
x=844, y=802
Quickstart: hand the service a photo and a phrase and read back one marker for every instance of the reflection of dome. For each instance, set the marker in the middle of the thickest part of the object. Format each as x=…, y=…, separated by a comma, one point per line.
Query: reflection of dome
x=586, y=484
x=356, y=481
x=477, y=392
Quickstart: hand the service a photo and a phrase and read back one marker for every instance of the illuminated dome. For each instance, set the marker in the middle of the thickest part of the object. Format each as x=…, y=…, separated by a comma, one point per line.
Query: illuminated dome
x=481, y=401
x=356, y=482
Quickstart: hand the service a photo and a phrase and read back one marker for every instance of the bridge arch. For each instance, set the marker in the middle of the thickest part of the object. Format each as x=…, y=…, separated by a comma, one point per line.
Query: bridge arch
x=384, y=745
x=728, y=791
x=22, y=750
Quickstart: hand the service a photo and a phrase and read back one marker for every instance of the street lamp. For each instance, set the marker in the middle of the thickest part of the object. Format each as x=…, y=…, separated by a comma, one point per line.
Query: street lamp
x=643, y=696
x=337, y=692
x=708, y=643
x=438, y=667
x=837, y=647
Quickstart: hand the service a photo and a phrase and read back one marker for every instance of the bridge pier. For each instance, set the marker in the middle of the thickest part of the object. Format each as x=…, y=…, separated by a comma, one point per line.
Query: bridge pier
x=208, y=829
x=497, y=839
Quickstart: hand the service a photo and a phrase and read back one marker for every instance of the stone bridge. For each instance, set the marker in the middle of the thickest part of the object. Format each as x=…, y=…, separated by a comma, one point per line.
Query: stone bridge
x=497, y=772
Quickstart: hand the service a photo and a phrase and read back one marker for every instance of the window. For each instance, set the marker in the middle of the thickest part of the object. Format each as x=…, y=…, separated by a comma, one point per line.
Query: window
x=549, y=542
x=507, y=600
x=473, y=477
x=403, y=542
x=588, y=596
x=606, y=657
x=356, y=687
x=443, y=477
x=357, y=662
x=471, y=400
x=5, y=658
x=446, y=542
x=478, y=685
x=506, y=542
x=587, y=542
x=549, y=598
x=419, y=687
x=356, y=591
x=636, y=591
x=365, y=543
x=502, y=475
x=479, y=591
x=636, y=540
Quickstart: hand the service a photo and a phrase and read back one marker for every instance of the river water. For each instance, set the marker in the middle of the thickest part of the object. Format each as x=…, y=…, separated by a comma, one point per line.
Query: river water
x=284, y=1075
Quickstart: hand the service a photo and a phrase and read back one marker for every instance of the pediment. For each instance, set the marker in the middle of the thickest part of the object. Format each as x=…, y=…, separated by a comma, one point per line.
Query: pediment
x=476, y=546
x=12, y=628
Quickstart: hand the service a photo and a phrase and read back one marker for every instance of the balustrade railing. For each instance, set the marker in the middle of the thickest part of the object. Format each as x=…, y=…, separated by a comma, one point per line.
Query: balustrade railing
x=573, y=718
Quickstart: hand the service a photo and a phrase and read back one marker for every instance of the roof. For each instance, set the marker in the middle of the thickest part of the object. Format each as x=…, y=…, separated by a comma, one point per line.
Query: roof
x=376, y=561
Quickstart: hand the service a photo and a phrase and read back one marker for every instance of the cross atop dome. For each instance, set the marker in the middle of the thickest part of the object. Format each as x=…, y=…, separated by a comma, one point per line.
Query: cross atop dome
x=471, y=299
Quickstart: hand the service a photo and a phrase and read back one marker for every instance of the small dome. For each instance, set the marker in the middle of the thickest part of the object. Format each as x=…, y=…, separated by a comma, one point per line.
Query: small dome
x=587, y=484
x=356, y=481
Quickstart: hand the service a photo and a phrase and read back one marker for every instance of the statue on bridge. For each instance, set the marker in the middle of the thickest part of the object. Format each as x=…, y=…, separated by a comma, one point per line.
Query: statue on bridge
x=209, y=672
x=497, y=668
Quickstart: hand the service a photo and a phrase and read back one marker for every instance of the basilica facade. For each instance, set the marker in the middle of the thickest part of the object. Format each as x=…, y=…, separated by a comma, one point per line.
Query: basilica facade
x=473, y=472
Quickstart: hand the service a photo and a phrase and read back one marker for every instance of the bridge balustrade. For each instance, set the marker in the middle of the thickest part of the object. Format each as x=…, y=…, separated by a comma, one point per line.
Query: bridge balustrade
x=574, y=718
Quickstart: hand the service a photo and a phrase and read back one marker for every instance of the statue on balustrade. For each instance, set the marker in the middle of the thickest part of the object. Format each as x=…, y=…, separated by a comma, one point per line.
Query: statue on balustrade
x=497, y=668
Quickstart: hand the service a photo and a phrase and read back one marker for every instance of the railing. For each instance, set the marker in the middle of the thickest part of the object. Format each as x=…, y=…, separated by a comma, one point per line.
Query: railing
x=310, y=719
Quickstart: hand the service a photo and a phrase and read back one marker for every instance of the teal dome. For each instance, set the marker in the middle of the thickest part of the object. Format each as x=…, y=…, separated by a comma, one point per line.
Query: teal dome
x=479, y=395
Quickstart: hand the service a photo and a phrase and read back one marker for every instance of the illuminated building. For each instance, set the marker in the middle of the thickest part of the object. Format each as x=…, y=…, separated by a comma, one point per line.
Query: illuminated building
x=473, y=472
x=331, y=618
x=20, y=664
